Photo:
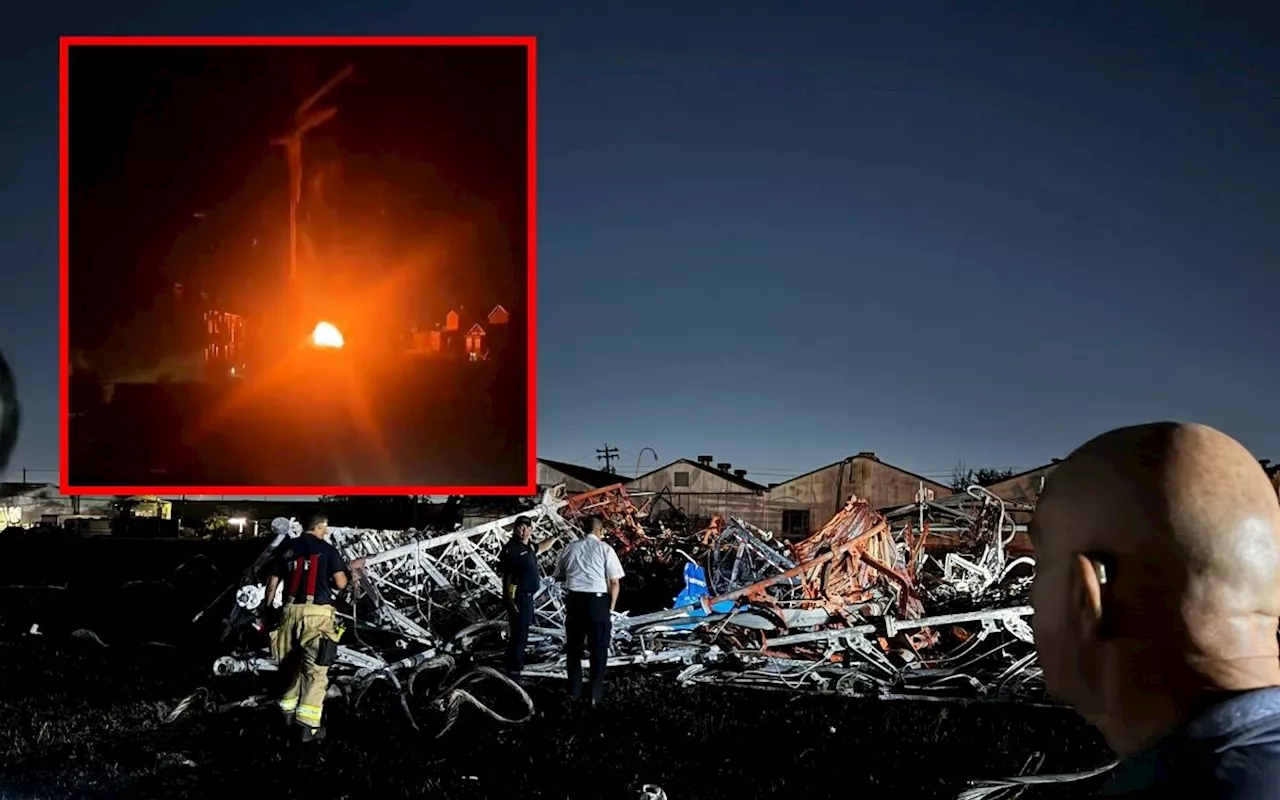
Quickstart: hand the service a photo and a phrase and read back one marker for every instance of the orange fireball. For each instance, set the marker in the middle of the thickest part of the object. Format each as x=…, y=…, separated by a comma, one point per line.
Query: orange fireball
x=327, y=335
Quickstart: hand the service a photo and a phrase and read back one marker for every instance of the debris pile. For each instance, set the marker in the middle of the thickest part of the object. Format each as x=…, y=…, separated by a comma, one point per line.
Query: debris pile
x=923, y=601
x=962, y=546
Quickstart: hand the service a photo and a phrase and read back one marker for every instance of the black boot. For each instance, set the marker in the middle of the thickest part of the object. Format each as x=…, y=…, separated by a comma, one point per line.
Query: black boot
x=312, y=734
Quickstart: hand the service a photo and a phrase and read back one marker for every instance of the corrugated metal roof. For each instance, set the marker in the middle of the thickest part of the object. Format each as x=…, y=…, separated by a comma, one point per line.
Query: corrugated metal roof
x=595, y=478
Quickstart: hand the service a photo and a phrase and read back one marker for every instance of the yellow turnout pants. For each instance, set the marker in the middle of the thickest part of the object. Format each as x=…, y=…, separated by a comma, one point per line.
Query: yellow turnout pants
x=293, y=645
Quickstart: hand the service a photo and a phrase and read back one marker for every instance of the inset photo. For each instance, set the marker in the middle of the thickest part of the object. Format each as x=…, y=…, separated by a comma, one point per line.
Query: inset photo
x=298, y=266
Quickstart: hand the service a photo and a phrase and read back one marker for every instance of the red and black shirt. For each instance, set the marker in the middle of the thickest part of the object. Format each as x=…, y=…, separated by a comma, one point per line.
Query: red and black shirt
x=306, y=566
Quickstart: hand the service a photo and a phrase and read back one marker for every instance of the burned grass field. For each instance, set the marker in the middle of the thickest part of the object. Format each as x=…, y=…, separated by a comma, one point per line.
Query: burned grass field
x=85, y=699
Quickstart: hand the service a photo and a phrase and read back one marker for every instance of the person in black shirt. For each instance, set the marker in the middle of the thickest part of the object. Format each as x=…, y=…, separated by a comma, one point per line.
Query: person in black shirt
x=312, y=572
x=1157, y=597
x=521, y=580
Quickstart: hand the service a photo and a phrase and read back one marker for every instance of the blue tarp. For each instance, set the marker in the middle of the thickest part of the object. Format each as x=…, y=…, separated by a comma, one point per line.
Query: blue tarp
x=695, y=588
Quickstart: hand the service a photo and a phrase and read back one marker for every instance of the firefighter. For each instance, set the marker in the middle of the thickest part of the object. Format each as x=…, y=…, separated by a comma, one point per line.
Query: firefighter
x=305, y=640
x=520, y=582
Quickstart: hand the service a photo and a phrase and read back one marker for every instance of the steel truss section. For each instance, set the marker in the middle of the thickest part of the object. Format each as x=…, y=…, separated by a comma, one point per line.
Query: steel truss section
x=867, y=605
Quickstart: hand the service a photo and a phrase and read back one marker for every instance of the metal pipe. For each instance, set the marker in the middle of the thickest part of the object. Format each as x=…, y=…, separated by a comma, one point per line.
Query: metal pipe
x=892, y=627
x=820, y=636
x=450, y=538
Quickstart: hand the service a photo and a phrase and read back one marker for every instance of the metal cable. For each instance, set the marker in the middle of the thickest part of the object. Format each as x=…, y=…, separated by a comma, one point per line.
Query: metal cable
x=983, y=790
x=438, y=662
x=455, y=697
x=89, y=636
x=184, y=704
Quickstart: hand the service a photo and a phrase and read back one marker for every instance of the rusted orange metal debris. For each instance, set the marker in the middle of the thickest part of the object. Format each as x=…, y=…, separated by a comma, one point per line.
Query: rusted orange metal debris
x=870, y=565
x=613, y=504
x=852, y=560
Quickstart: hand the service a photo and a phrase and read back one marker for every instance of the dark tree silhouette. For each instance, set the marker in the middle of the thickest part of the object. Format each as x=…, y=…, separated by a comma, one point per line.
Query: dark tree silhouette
x=962, y=477
x=393, y=512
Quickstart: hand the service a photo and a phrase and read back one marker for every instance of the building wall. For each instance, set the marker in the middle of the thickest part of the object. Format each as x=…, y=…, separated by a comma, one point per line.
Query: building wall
x=550, y=476
x=706, y=495
x=700, y=481
x=224, y=344
x=823, y=492
x=740, y=504
x=1024, y=488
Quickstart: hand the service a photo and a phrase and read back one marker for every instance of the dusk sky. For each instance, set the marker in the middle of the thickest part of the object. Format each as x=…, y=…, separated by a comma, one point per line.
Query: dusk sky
x=786, y=233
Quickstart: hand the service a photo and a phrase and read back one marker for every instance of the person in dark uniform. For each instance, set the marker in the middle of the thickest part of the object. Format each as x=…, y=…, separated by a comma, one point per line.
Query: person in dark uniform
x=312, y=572
x=520, y=583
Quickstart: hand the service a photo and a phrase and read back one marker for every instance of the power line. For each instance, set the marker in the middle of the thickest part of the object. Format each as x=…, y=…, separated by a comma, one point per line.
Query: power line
x=607, y=455
x=933, y=473
x=930, y=472
x=26, y=470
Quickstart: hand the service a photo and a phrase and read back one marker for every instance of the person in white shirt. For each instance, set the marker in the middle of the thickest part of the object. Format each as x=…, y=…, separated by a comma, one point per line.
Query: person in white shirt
x=592, y=575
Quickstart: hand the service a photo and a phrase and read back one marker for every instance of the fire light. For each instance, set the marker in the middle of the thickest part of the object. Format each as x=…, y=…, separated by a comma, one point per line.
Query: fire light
x=327, y=335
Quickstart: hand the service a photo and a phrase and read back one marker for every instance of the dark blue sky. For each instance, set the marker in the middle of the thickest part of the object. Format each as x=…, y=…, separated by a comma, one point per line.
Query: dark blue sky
x=783, y=235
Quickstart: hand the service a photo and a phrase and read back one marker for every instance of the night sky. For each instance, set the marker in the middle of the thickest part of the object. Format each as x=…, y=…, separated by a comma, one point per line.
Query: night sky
x=783, y=235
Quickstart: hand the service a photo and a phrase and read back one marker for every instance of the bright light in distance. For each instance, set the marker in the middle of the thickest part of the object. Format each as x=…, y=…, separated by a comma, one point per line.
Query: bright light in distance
x=326, y=335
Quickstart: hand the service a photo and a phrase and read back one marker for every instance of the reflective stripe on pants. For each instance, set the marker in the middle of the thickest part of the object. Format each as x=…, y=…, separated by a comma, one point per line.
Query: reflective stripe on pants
x=294, y=645
x=309, y=715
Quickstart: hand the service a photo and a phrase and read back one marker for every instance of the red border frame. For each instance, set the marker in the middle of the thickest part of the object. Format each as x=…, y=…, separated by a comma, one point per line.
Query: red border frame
x=531, y=46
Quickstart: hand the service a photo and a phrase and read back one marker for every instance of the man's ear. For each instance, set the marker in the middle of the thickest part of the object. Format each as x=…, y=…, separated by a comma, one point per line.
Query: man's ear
x=1089, y=576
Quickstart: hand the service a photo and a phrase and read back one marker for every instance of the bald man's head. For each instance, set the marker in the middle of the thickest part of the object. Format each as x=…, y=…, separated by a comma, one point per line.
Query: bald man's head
x=1157, y=544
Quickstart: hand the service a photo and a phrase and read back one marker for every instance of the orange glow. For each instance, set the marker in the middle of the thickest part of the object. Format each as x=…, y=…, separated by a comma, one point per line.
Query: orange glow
x=327, y=335
x=359, y=378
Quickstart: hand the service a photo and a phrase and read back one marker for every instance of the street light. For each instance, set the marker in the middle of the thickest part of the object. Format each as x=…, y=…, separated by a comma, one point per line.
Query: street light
x=641, y=455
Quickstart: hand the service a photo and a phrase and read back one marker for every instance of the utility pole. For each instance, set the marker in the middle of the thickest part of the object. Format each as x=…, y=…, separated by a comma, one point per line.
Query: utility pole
x=607, y=455
x=292, y=144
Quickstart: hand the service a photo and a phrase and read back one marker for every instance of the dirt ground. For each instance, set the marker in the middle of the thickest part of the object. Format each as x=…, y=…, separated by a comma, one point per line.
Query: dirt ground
x=81, y=717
